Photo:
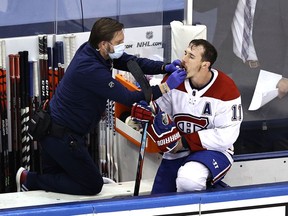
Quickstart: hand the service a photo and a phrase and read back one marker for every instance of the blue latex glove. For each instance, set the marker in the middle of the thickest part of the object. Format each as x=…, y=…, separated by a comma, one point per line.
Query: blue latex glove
x=170, y=68
x=176, y=78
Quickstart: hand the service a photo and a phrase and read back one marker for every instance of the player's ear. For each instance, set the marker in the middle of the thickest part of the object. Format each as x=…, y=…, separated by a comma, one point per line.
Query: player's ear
x=205, y=64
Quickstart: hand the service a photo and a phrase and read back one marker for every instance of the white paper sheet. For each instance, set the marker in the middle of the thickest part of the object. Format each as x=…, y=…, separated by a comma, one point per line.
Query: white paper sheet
x=265, y=89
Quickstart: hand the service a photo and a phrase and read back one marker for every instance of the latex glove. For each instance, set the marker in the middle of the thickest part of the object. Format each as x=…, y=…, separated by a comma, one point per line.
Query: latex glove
x=170, y=68
x=176, y=78
x=164, y=132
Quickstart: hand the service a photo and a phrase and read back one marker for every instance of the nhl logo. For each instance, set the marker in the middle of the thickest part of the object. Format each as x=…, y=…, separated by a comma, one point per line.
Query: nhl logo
x=149, y=34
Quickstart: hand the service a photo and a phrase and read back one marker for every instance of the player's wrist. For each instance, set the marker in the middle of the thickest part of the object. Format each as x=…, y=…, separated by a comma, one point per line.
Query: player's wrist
x=177, y=146
x=164, y=88
x=184, y=142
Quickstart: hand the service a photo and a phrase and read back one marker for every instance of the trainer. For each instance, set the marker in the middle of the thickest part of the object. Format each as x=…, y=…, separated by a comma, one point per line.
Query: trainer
x=77, y=107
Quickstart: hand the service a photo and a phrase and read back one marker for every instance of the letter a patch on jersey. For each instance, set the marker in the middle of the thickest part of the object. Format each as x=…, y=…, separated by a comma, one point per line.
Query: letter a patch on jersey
x=207, y=109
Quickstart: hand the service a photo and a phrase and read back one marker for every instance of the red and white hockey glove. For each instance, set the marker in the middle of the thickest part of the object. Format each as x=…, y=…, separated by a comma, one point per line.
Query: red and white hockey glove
x=142, y=112
x=164, y=132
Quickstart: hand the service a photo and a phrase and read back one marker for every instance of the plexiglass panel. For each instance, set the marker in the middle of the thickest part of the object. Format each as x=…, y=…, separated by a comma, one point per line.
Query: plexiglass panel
x=66, y=16
x=265, y=126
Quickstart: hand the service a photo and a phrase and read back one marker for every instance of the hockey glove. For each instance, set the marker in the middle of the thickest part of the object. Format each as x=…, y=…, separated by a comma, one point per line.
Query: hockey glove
x=163, y=132
x=176, y=78
x=170, y=68
x=142, y=112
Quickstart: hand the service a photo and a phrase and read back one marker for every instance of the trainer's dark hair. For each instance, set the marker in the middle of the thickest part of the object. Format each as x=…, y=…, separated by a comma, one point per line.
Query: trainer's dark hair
x=104, y=30
x=210, y=53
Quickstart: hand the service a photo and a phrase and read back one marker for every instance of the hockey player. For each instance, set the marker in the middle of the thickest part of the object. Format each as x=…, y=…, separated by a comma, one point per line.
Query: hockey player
x=206, y=113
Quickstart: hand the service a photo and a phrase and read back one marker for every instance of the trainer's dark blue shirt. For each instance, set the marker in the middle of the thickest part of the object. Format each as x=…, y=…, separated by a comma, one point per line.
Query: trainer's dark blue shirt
x=80, y=98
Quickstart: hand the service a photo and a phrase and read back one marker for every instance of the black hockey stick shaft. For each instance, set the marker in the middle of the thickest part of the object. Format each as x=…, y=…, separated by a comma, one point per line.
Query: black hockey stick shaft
x=45, y=58
x=139, y=76
x=13, y=109
x=140, y=160
x=24, y=86
x=61, y=58
x=18, y=110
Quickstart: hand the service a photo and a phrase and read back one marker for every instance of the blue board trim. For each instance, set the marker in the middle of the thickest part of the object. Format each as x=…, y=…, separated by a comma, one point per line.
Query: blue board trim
x=260, y=156
x=146, y=202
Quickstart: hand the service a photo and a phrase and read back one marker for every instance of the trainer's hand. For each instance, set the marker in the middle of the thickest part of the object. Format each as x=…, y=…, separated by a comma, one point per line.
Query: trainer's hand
x=176, y=78
x=170, y=68
x=164, y=132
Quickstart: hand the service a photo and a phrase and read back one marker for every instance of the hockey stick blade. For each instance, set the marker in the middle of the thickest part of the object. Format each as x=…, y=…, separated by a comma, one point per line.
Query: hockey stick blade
x=139, y=76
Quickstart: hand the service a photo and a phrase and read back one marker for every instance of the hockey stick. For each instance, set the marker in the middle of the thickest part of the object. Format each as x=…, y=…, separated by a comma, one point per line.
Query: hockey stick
x=13, y=109
x=60, y=60
x=50, y=73
x=67, y=50
x=114, y=147
x=22, y=91
x=72, y=41
x=45, y=60
x=18, y=109
x=24, y=79
x=2, y=148
x=35, y=104
x=4, y=122
x=42, y=67
x=55, y=67
x=30, y=105
x=139, y=76
x=27, y=109
x=70, y=48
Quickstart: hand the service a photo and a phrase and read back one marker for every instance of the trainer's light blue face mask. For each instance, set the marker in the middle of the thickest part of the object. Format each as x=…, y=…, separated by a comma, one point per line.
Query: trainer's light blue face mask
x=118, y=51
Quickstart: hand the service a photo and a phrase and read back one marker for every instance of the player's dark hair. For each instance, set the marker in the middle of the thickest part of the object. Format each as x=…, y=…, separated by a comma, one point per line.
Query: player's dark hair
x=210, y=53
x=104, y=30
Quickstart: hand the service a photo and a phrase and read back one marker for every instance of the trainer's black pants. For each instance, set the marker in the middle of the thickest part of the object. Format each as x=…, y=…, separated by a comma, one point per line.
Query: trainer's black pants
x=67, y=167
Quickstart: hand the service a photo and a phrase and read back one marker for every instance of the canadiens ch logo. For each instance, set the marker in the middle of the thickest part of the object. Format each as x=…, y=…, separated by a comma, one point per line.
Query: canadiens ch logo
x=149, y=34
x=188, y=123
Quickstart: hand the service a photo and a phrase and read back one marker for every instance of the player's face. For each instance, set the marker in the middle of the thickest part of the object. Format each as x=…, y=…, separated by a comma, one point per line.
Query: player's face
x=192, y=60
